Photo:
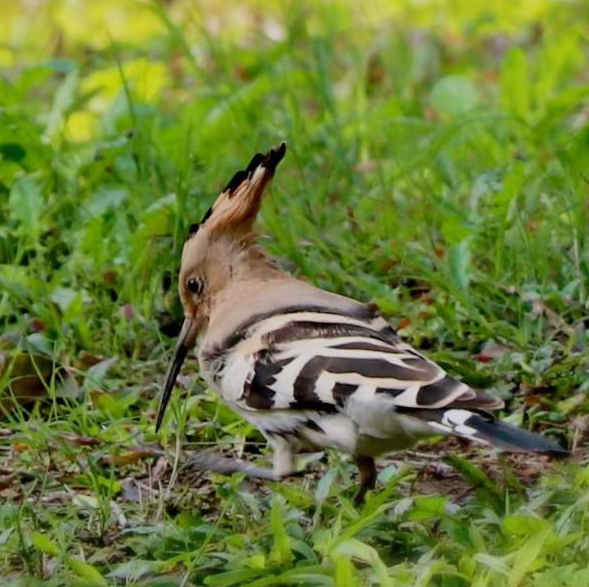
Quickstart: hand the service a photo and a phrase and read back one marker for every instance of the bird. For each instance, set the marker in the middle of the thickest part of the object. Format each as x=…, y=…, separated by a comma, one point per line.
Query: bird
x=312, y=369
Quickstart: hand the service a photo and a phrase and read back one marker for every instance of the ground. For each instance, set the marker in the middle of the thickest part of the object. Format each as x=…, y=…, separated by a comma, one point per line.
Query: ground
x=437, y=166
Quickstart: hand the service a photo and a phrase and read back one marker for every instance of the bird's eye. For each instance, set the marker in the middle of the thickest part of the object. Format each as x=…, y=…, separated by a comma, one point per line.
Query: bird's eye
x=194, y=285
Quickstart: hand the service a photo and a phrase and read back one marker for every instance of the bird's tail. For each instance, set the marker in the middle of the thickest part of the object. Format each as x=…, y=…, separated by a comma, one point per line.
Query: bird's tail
x=482, y=427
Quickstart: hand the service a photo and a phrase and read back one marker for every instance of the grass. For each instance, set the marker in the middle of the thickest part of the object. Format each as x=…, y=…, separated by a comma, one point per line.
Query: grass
x=437, y=166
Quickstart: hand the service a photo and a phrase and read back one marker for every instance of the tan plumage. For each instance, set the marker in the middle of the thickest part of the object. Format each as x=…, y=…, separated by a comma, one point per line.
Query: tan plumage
x=310, y=367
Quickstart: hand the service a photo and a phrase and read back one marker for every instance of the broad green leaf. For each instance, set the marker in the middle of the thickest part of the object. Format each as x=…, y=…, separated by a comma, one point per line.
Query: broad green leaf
x=95, y=377
x=454, y=230
x=392, y=476
x=25, y=204
x=473, y=474
x=344, y=572
x=459, y=261
x=558, y=577
x=527, y=558
x=313, y=576
x=5, y=535
x=426, y=507
x=281, y=552
x=515, y=83
x=62, y=102
x=523, y=525
x=350, y=531
x=324, y=486
x=64, y=297
x=362, y=551
x=495, y=563
x=294, y=495
x=87, y=572
x=134, y=569
x=43, y=543
x=505, y=198
x=554, y=57
x=257, y=561
x=580, y=578
x=106, y=199
x=454, y=95
x=477, y=478
x=229, y=578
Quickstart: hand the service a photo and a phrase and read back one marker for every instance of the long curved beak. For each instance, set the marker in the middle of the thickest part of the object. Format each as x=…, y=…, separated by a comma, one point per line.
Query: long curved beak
x=186, y=342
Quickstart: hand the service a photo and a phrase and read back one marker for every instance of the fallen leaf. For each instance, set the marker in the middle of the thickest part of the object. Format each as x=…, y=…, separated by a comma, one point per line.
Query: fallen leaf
x=492, y=352
x=37, y=326
x=131, y=457
x=7, y=480
x=80, y=440
x=131, y=491
x=159, y=469
x=404, y=323
x=57, y=497
x=110, y=277
x=127, y=311
x=529, y=472
x=50, y=564
x=10, y=494
x=568, y=405
x=86, y=360
x=29, y=374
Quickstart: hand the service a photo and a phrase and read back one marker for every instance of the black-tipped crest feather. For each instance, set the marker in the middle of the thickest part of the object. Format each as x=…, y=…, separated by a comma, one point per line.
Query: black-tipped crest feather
x=235, y=181
x=256, y=160
x=195, y=227
x=269, y=160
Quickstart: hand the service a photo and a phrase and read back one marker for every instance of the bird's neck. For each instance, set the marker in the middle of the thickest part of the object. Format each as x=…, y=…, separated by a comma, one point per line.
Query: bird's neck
x=252, y=264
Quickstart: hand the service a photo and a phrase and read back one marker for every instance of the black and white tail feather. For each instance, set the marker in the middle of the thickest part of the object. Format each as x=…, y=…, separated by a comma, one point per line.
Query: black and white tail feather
x=482, y=427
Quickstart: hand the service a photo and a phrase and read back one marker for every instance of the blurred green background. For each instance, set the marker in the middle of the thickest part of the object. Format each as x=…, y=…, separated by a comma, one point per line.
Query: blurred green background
x=437, y=165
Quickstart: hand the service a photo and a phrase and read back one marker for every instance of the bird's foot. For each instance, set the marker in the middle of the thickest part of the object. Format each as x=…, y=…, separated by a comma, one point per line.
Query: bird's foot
x=209, y=461
x=204, y=461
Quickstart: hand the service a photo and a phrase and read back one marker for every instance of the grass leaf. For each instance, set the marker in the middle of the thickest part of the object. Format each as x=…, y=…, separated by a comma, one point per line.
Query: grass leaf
x=43, y=543
x=87, y=572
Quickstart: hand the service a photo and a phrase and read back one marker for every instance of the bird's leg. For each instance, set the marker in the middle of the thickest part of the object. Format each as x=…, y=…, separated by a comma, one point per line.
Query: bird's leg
x=367, y=470
x=283, y=460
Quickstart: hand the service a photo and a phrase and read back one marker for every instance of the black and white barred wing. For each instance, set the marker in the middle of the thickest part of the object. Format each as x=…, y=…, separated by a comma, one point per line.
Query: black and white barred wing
x=294, y=367
x=324, y=363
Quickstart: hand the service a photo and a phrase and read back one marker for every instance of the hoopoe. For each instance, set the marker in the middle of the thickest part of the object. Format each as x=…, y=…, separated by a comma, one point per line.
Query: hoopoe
x=308, y=367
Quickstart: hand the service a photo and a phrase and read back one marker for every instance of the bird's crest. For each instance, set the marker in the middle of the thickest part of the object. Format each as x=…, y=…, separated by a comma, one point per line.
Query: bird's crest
x=239, y=203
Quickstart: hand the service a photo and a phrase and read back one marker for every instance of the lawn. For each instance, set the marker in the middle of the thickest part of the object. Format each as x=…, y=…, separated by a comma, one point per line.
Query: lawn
x=437, y=165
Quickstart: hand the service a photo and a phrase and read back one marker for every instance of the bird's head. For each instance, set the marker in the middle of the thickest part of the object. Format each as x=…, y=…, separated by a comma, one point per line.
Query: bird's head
x=217, y=251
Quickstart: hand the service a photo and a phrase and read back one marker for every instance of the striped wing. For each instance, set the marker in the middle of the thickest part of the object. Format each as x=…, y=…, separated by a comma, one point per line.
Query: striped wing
x=316, y=359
